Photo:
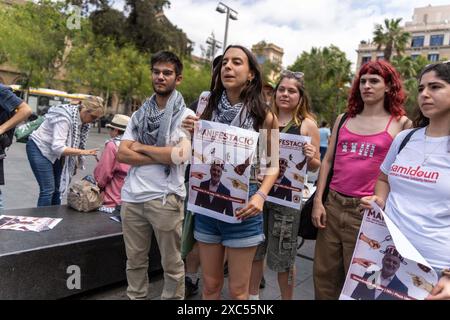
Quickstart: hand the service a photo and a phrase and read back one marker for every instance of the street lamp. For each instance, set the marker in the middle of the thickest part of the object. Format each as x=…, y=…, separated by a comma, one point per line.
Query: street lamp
x=213, y=44
x=231, y=14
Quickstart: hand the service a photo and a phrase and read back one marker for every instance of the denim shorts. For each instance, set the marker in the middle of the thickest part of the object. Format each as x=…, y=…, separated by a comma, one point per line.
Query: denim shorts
x=248, y=233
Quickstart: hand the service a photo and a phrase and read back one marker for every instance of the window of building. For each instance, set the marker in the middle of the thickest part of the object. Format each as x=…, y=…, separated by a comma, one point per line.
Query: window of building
x=417, y=41
x=437, y=40
x=415, y=56
x=433, y=57
x=261, y=59
x=380, y=57
x=366, y=59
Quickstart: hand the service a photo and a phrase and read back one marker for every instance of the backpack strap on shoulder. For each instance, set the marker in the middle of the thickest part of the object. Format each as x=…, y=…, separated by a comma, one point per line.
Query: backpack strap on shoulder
x=406, y=139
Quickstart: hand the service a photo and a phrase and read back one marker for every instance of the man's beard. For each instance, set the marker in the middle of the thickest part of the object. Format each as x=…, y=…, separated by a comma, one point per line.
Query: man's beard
x=164, y=93
x=215, y=182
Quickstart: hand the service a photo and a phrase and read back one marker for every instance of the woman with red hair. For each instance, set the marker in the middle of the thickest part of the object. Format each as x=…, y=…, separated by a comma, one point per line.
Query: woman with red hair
x=374, y=116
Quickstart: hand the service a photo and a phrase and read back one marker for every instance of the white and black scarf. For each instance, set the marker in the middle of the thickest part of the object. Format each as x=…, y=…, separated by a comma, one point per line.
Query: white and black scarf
x=153, y=126
x=236, y=115
x=76, y=138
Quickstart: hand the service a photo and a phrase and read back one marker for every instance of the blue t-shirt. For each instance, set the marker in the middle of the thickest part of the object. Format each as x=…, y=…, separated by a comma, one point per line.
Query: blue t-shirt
x=8, y=102
x=325, y=133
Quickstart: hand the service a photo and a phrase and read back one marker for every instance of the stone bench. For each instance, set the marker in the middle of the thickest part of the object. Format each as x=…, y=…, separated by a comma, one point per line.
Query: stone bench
x=40, y=265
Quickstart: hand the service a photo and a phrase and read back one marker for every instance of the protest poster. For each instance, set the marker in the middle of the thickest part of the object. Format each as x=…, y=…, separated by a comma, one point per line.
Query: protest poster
x=220, y=170
x=202, y=103
x=287, y=189
x=21, y=223
x=385, y=265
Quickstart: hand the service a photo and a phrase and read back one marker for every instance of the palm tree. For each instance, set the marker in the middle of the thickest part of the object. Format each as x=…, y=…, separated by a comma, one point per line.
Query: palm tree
x=405, y=65
x=339, y=70
x=327, y=78
x=391, y=37
x=410, y=68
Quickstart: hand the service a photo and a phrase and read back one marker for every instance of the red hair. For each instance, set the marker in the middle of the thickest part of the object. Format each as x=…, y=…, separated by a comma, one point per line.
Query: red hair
x=393, y=99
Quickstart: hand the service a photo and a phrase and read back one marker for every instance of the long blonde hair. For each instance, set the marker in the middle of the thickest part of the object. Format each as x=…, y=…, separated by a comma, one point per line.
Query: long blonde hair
x=303, y=109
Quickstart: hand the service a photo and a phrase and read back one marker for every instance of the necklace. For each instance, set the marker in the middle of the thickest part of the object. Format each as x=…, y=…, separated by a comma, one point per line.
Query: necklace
x=426, y=155
x=284, y=123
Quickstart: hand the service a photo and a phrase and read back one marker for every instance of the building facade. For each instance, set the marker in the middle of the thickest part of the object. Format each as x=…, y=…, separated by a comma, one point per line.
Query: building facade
x=430, y=36
x=269, y=52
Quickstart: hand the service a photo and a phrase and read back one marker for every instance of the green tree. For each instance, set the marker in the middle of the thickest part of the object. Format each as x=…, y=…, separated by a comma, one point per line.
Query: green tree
x=97, y=63
x=88, y=6
x=136, y=81
x=177, y=40
x=110, y=23
x=196, y=78
x=143, y=24
x=327, y=79
x=34, y=36
x=410, y=69
x=151, y=31
x=405, y=65
x=390, y=36
x=3, y=57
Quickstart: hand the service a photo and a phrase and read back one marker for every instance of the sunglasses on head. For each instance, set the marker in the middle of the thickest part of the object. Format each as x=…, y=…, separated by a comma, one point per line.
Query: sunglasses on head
x=296, y=74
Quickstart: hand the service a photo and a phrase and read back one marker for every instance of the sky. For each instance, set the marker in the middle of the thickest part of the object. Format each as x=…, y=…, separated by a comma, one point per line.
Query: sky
x=294, y=25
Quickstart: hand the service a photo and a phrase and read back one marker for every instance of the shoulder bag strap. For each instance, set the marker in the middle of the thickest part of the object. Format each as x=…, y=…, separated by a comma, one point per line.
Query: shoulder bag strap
x=288, y=126
x=330, y=173
x=406, y=139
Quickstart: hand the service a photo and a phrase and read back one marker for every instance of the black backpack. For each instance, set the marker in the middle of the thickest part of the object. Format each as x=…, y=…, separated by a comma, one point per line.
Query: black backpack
x=6, y=139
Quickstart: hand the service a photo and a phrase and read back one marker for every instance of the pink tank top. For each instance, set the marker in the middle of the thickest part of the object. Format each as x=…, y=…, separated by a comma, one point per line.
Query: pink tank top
x=358, y=161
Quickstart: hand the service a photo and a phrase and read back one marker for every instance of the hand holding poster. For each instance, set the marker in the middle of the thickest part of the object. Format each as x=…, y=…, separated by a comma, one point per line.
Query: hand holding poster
x=288, y=187
x=385, y=266
x=220, y=170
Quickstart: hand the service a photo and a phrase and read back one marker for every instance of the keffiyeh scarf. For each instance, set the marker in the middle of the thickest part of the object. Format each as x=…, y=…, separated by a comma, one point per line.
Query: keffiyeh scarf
x=236, y=115
x=76, y=138
x=153, y=126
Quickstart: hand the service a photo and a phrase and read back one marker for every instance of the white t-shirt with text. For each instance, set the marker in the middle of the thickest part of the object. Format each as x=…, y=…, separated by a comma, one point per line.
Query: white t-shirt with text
x=419, y=198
